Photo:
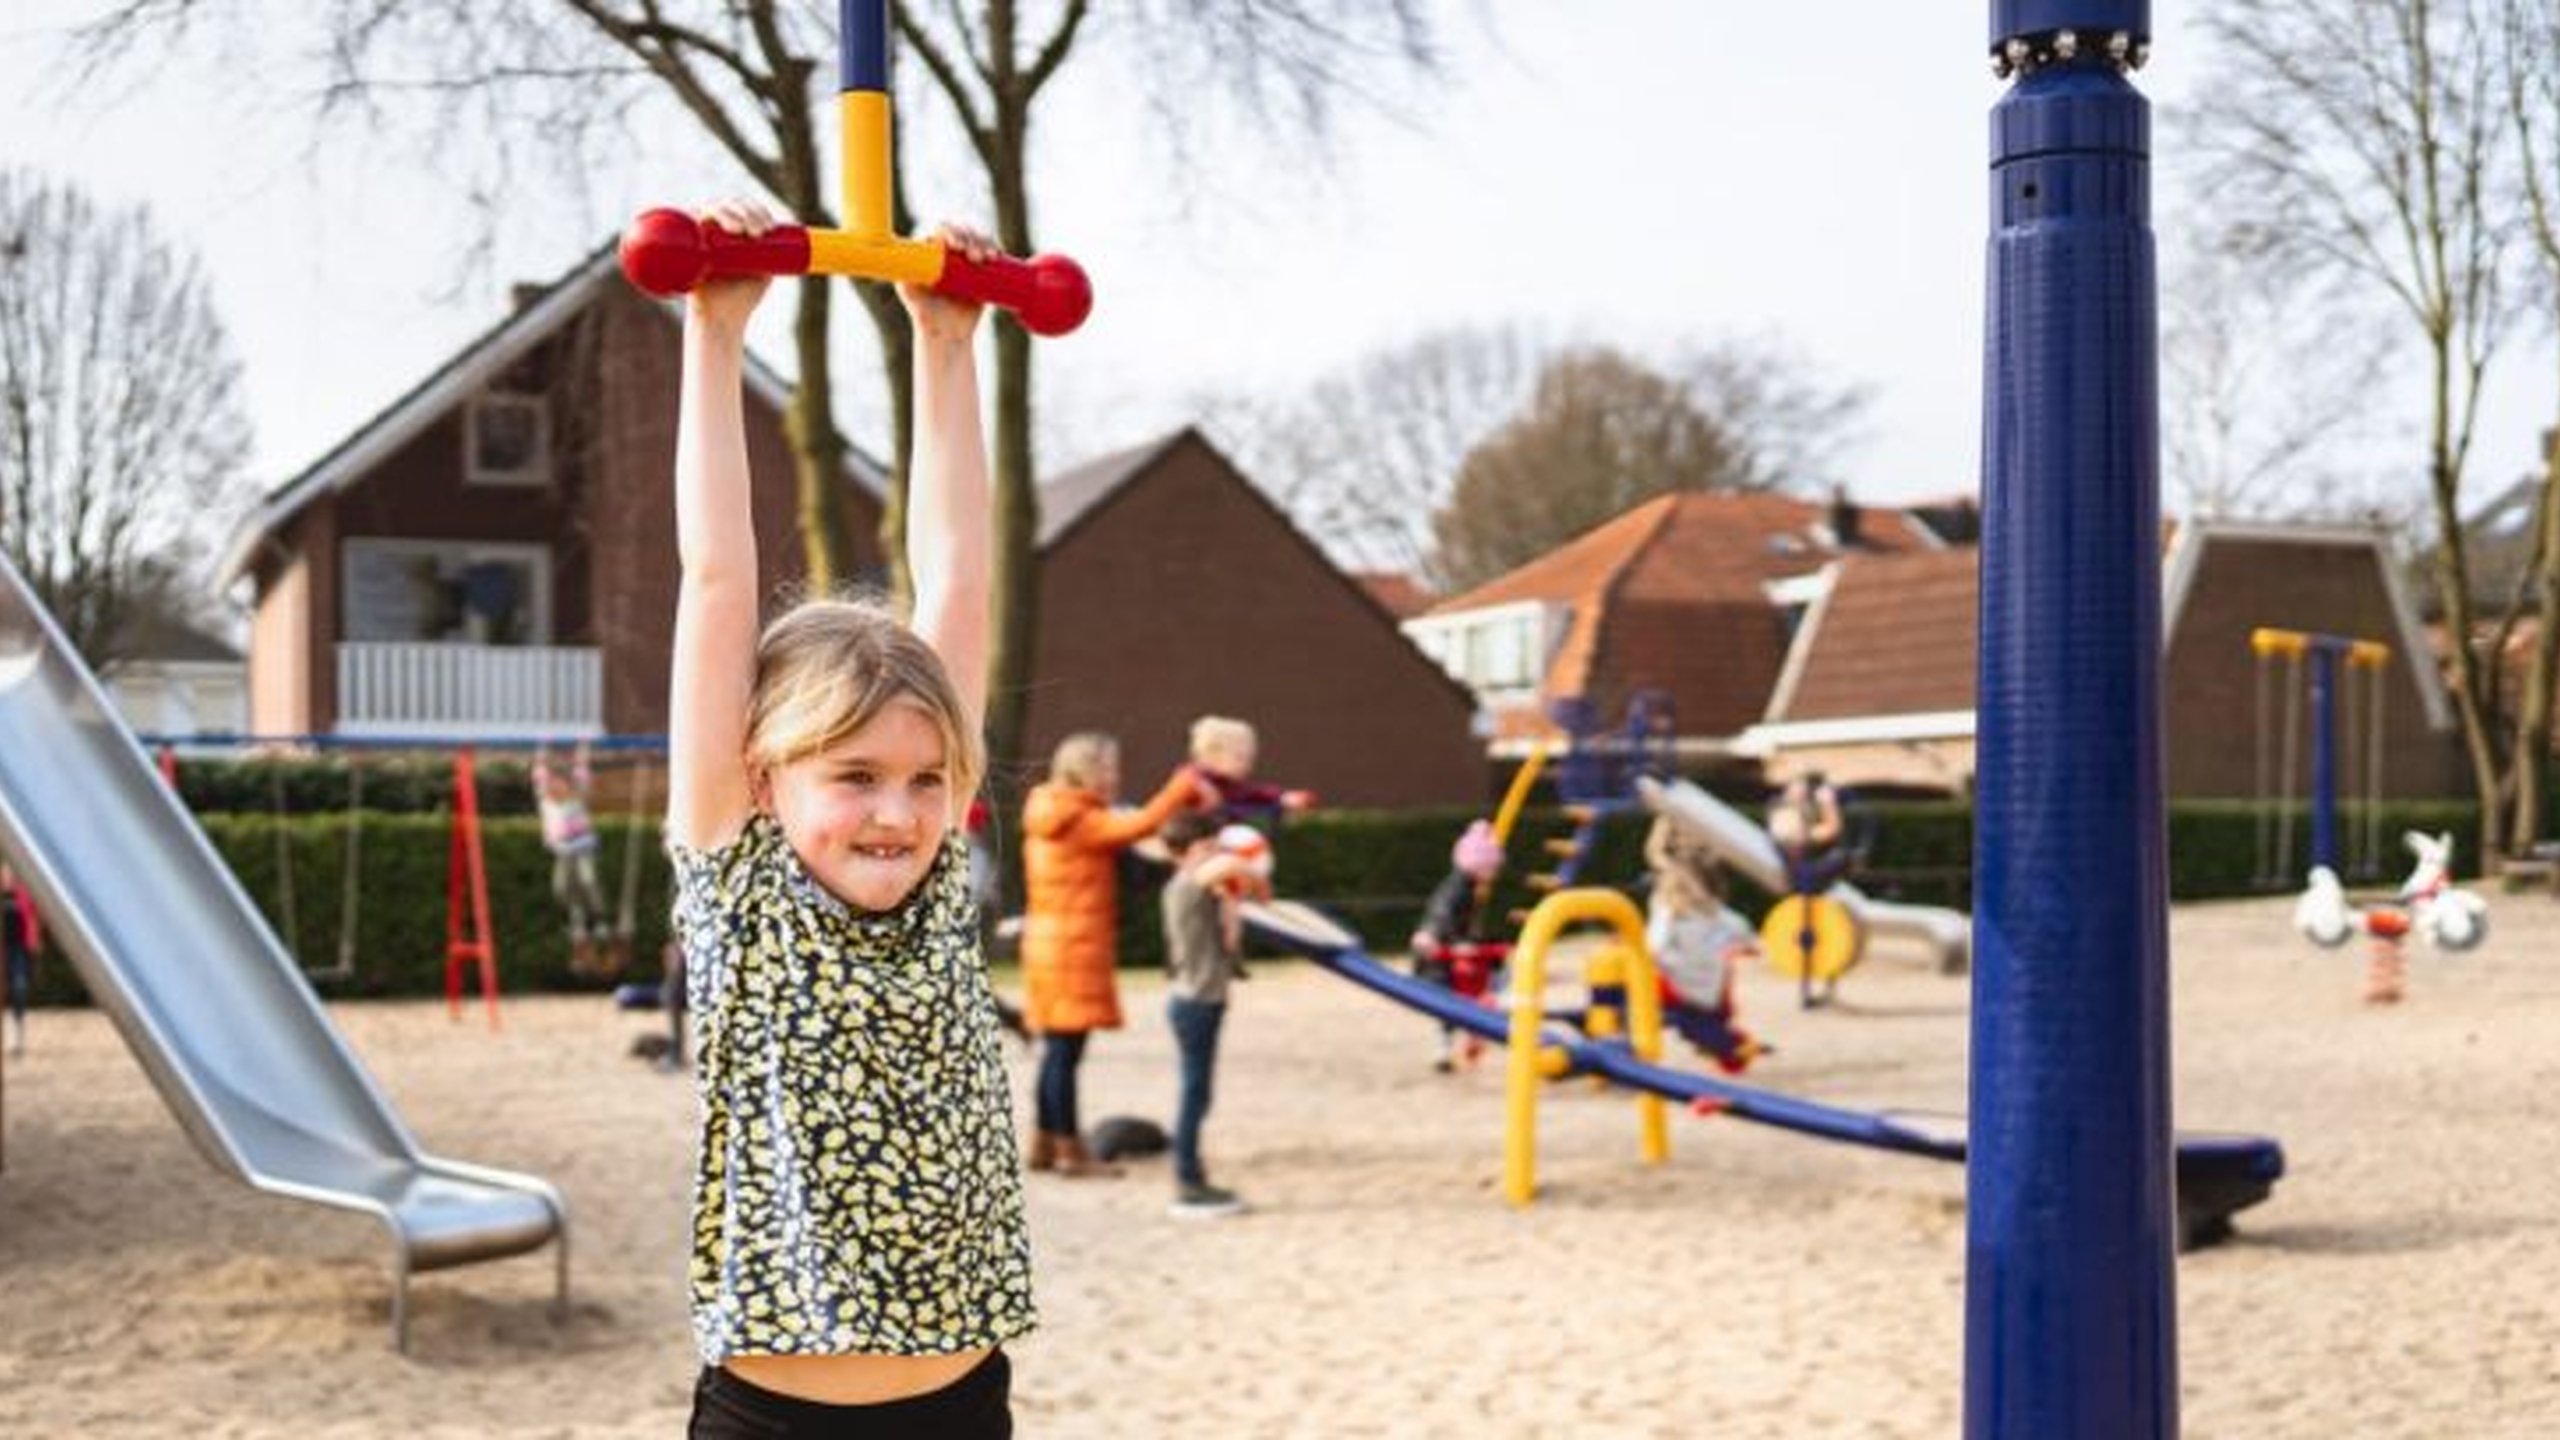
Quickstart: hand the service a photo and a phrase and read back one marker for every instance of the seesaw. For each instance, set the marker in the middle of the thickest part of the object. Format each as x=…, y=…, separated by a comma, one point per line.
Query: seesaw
x=2216, y=1175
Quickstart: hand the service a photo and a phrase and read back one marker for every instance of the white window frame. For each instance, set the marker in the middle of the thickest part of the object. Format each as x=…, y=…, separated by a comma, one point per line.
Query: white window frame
x=1500, y=651
x=535, y=473
x=537, y=558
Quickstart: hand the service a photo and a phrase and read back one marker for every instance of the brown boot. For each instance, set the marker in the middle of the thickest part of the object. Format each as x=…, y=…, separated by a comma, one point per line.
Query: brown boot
x=1077, y=1163
x=1044, y=1151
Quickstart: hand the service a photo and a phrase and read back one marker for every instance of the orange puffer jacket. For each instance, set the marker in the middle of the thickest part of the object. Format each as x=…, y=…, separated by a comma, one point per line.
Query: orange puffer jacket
x=1071, y=914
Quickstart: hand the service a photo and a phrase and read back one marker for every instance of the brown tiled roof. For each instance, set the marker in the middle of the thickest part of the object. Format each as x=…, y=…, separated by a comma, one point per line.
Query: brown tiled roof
x=1669, y=596
x=1895, y=637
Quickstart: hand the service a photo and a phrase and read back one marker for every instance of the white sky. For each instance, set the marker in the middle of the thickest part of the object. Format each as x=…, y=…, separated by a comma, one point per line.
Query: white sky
x=1641, y=171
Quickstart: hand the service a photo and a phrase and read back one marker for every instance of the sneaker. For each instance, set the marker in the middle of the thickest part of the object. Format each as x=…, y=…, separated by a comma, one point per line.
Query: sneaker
x=1206, y=1202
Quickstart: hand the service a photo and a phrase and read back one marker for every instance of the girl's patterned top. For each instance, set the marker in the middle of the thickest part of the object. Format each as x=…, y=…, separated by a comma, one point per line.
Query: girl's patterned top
x=855, y=1183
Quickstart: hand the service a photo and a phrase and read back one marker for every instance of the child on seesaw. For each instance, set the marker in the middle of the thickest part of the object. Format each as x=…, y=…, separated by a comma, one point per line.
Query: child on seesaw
x=1696, y=943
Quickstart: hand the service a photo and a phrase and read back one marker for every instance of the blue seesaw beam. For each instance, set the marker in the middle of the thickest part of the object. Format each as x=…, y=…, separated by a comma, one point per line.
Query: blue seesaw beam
x=2217, y=1175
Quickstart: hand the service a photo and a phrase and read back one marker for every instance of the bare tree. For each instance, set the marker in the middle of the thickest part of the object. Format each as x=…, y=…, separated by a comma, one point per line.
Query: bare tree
x=1364, y=455
x=2267, y=392
x=121, y=427
x=1602, y=433
x=492, y=89
x=2359, y=139
x=513, y=73
x=1785, y=426
x=2530, y=36
x=1287, y=60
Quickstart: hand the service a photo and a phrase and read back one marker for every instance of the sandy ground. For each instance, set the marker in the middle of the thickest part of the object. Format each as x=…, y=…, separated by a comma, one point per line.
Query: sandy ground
x=2404, y=1280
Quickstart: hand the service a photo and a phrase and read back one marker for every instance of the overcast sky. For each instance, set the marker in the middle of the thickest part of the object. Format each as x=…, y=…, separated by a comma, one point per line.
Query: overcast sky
x=1643, y=171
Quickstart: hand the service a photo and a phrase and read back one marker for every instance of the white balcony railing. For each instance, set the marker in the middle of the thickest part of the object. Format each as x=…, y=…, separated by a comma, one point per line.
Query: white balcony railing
x=448, y=689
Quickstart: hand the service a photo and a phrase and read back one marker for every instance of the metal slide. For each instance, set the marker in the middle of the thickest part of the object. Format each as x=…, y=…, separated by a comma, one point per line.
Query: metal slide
x=1740, y=842
x=2217, y=1175
x=213, y=1006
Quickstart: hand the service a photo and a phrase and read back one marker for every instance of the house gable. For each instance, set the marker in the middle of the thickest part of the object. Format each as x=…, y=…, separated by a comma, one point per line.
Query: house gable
x=1183, y=592
x=597, y=541
x=2238, y=578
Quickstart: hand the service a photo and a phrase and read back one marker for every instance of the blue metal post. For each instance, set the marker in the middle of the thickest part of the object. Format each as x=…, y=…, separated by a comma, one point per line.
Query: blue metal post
x=2070, y=1305
x=2324, y=752
x=862, y=44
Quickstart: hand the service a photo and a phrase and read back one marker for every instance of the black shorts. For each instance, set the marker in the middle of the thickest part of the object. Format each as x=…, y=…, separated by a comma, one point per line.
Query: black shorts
x=977, y=1406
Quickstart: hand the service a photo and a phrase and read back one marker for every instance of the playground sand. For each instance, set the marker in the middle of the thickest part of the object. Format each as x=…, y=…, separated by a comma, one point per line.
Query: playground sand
x=2404, y=1280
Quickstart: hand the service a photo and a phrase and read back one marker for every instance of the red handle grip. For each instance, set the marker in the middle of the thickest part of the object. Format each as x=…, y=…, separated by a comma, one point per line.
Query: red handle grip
x=1049, y=294
x=668, y=252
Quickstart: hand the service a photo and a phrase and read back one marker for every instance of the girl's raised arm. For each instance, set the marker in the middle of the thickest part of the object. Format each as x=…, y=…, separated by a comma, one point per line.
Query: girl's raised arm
x=948, y=513
x=708, y=794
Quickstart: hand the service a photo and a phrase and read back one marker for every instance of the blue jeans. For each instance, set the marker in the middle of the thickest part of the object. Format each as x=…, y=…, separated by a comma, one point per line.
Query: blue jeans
x=1195, y=1031
x=1054, y=1098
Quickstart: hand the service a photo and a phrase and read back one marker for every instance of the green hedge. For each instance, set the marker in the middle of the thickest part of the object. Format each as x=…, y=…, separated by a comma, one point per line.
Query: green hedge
x=400, y=900
x=395, y=783
x=1373, y=867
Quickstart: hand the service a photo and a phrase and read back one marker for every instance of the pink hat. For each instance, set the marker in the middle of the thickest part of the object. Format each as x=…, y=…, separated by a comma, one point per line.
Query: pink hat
x=1477, y=853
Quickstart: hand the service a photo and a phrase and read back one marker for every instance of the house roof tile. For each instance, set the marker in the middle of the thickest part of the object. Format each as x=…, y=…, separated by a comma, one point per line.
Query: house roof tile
x=1894, y=636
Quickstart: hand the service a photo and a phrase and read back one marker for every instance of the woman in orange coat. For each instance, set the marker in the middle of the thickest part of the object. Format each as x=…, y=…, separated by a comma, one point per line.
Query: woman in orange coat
x=1071, y=922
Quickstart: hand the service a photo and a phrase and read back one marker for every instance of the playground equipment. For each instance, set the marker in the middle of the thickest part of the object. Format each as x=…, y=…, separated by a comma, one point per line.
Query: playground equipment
x=2070, y=1293
x=2428, y=902
x=667, y=252
x=1854, y=917
x=2217, y=1176
x=1595, y=770
x=471, y=935
x=218, y=1013
x=2317, y=659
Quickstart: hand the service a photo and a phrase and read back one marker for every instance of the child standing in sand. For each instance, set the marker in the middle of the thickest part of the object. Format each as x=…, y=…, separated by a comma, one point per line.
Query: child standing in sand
x=1204, y=954
x=19, y=938
x=860, y=1252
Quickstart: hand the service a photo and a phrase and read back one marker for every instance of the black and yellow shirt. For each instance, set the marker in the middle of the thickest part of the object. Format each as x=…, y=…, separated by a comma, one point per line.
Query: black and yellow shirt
x=856, y=1187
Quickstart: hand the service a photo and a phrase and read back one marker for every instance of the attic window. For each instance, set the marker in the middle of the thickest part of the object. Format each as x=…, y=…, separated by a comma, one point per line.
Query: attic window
x=507, y=440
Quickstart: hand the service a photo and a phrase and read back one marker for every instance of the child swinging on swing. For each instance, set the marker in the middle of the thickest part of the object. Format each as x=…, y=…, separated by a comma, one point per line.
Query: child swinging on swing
x=569, y=833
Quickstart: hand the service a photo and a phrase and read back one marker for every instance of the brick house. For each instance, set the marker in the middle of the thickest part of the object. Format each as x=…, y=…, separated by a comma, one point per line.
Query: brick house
x=1171, y=587
x=1879, y=684
x=495, y=552
x=1693, y=595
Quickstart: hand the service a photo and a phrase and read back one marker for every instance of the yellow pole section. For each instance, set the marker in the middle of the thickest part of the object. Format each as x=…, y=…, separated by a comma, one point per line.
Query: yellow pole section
x=2370, y=654
x=862, y=120
x=874, y=257
x=2266, y=640
x=1528, y=1016
x=1515, y=799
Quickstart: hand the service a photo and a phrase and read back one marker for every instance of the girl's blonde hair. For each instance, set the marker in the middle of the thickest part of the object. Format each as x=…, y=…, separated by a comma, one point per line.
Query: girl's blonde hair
x=1080, y=759
x=827, y=668
x=1214, y=734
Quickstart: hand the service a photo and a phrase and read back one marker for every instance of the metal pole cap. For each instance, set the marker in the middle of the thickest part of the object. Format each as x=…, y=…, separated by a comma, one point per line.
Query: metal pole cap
x=2017, y=19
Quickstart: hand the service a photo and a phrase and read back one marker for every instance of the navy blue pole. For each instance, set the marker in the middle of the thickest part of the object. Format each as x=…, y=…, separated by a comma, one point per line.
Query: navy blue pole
x=862, y=44
x=2324, y=754
x=2070, y=1305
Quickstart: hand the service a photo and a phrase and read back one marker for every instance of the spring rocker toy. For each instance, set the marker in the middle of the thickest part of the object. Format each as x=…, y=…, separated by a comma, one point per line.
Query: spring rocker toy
x=2428, y=903
x=667, y=252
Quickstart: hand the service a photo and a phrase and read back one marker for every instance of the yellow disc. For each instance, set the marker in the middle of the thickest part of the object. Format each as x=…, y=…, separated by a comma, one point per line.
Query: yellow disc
x=1823, y=938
